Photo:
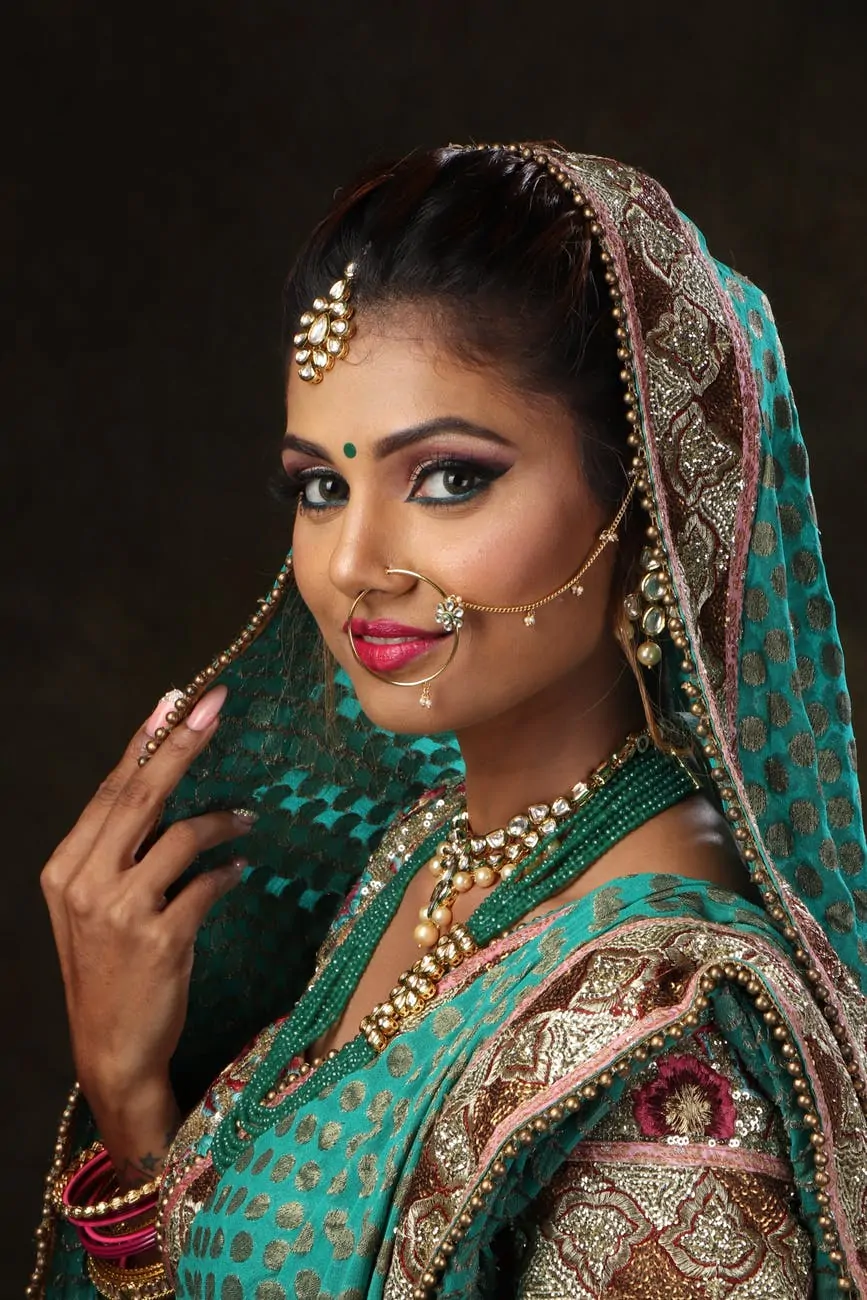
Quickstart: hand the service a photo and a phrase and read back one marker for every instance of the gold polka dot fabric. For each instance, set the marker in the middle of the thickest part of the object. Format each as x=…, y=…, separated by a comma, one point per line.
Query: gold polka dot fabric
x=793, y=710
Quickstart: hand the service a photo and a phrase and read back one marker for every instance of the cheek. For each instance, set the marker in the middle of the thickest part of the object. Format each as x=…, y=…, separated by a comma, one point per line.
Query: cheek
x=523, y=549
x=527, y=554
x=310, y=563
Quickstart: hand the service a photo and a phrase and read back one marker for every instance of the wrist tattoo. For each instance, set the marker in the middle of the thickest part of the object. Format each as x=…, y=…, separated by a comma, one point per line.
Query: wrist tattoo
x=134, y=1172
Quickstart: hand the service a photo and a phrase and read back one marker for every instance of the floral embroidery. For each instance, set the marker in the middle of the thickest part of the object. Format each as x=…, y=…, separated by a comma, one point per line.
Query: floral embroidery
x=686, y=1099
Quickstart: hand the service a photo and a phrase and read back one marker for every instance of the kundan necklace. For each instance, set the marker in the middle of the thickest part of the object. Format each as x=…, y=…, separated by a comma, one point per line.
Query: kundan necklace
x=463, y=859
x=627, y=790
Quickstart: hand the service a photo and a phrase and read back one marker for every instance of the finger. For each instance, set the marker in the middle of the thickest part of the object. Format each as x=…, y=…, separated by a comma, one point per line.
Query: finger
x=137, y=804
x=189, y=909
x=80, y=840
x=179, y=847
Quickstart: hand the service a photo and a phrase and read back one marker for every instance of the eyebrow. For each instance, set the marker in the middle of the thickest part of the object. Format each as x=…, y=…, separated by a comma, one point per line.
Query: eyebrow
x=393, y=442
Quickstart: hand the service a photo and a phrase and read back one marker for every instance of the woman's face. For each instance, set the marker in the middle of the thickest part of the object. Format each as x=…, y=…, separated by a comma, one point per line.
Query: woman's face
x=406, y=458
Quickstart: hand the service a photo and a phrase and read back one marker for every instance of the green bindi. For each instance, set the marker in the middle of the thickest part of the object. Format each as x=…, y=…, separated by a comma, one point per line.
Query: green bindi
x=350, y=450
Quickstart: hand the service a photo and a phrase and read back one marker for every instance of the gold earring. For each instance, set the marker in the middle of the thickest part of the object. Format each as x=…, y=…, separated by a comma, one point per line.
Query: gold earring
x=326, y=330
x=453, y=626
x=646, y=608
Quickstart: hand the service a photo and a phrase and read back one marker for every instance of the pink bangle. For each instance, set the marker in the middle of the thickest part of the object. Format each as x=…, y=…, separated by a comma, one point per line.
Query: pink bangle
x=80, y=1196
x=119, y=1248
x=92, y=1172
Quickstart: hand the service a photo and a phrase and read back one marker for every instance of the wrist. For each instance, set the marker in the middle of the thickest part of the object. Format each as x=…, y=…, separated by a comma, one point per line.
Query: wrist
x=126, y=1097
x=137, y=1126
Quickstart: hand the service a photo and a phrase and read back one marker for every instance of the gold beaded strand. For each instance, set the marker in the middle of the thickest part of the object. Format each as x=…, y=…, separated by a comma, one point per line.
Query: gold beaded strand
x=189, y=695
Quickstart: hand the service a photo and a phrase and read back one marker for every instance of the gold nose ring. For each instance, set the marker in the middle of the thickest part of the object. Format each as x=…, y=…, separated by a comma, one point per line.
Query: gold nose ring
x=453, y=625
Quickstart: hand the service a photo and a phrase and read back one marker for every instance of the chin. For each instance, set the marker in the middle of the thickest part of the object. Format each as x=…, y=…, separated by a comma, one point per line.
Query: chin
x=399, y=711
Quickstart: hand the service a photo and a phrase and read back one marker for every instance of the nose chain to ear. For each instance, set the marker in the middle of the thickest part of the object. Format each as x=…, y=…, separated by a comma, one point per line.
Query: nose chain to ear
x=450, y=612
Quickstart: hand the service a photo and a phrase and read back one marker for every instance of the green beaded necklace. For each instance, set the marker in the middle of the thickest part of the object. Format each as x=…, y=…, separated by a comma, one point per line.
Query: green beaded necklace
x=647, y=784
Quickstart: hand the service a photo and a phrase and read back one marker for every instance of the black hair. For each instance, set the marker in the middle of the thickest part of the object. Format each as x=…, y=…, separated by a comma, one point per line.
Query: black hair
x=494, y=242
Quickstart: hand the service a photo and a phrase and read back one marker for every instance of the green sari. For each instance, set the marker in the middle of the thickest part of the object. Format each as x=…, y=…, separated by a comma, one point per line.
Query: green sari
x=658, y=1090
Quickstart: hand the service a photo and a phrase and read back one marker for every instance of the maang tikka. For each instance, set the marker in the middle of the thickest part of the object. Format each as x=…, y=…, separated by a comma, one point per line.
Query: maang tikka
x=326, y=330
x=451, y=610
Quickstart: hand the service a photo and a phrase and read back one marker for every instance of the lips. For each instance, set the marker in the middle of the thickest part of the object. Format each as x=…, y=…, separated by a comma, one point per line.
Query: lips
x=384, y=646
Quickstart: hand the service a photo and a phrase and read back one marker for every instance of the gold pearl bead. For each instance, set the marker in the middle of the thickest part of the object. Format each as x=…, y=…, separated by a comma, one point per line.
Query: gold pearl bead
x=484, y=877
x=442, y=916
x=462, y=881
x=425, y=934
x=648, y=654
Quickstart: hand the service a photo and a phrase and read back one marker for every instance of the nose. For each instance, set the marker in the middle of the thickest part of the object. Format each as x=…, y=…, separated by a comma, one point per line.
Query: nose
x=362, y=552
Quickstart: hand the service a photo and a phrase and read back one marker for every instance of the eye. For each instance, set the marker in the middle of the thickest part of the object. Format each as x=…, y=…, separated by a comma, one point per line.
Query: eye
x=452, y=481
x=322, y=488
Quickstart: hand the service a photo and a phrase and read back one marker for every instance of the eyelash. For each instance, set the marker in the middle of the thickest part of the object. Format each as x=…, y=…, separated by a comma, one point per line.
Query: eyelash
x=290, y=487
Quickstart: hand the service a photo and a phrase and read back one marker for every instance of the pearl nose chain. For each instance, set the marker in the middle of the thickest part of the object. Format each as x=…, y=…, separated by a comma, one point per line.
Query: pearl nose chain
x=451, y=610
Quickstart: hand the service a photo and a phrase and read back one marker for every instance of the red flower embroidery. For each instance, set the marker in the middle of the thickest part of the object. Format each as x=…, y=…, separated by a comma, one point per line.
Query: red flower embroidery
x=686, y=1099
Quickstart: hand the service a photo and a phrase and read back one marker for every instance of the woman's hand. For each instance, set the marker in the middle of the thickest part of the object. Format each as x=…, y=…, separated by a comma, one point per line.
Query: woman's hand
x=125, y=954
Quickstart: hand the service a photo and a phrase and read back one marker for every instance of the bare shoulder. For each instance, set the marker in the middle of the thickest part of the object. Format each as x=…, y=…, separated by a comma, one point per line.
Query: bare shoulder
x=691, y=839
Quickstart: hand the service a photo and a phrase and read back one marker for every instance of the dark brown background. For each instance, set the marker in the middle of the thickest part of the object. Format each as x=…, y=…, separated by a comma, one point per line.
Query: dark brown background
x=160, y=169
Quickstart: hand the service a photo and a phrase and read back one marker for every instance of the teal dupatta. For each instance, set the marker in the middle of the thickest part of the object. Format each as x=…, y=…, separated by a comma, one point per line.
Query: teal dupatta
x=762, y=671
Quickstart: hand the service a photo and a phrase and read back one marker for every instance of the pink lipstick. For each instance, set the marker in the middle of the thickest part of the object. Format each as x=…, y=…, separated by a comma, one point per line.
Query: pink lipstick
x=384, y=646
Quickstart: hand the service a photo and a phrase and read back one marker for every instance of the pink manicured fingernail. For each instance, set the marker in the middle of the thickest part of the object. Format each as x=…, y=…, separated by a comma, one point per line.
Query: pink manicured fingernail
x=158, y=717
x=207, y=709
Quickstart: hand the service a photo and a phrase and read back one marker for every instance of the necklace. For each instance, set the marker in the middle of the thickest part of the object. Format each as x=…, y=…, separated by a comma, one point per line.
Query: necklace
x=463, y=859
x=628, y=796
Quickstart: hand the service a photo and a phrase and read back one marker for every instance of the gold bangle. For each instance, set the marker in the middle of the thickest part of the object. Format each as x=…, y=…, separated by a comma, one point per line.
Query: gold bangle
x=125, y=1200
x=150, y=1282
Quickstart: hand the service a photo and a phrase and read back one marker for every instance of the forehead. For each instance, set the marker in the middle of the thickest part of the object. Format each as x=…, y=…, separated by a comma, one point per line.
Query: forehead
x=400, y=372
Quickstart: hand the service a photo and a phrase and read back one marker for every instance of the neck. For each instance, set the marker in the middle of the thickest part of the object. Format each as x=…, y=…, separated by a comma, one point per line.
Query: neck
x=540, y=748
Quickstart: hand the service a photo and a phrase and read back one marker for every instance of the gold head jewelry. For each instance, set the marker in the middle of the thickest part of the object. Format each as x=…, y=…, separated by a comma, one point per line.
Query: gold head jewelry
x=450, y=612
x=425, y=699
x=325, y=331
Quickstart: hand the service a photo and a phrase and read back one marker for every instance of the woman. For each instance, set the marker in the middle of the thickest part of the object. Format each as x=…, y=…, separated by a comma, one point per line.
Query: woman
x=552, y=501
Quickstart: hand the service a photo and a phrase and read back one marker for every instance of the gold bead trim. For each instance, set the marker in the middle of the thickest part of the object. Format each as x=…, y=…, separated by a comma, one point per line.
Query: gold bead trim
x=751, y=983
x=45, y=1233
x=691, y=687
x=204, y=680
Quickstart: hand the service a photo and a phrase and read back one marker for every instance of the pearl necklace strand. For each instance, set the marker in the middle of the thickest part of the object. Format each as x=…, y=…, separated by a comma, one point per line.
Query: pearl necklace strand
x=463, y=859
